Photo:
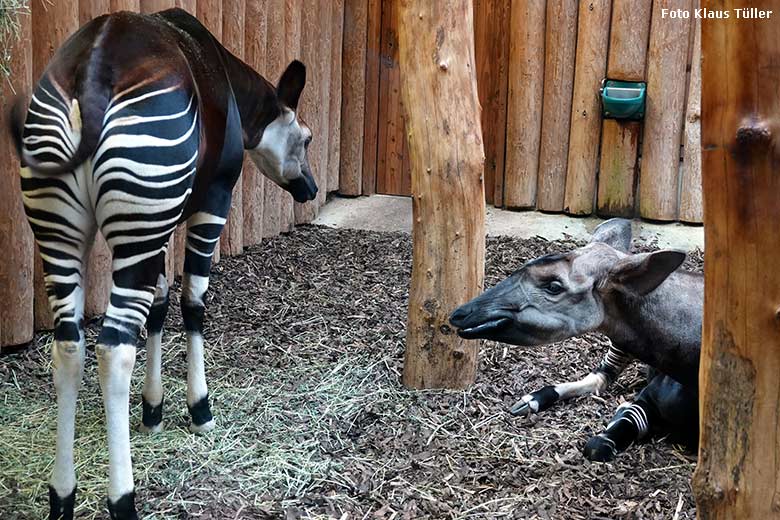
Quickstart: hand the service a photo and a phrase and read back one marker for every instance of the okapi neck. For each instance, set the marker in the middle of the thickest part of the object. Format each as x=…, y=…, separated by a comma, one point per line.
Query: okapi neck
x=255, y=97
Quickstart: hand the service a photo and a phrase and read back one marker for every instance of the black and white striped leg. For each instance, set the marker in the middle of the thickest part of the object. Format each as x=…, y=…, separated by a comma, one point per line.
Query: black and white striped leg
x=615, y=360
x=203, y=230
x=631, y=423
x=152, y=393
x=132, y=294
x=64, y=229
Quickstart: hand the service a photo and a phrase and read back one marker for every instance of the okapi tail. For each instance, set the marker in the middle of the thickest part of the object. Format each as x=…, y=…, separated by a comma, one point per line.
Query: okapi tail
x=93, y=96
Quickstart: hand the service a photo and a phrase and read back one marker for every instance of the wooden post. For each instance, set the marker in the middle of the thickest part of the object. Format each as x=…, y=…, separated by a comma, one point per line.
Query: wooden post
x=124, y=5
x=353, y=96
x=292, y=51
x=439, y=87
x=491, y=40
x=524, y=107
x=253, y=181
x=391, y=141
x=322, y=62
x=666, y=62
x=153, y=6
x=560, y=43
x=274, y=66
x=308, y=105
x=334, y=111
x=738, y=475
x=620, y=139
x=371, y=120
x=52, y=24
x=89, y=9
x=232, y=239
x=16, y=238
x=591, y=66
x=690, y=193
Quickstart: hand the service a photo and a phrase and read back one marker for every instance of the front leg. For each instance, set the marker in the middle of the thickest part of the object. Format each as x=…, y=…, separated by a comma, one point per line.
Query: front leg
x=614, y=362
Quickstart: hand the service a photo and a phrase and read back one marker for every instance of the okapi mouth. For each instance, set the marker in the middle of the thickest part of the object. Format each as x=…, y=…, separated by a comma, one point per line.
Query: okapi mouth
x=484, y=330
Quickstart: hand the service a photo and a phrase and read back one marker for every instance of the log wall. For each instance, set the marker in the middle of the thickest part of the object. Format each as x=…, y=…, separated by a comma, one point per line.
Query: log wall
x=539, y=67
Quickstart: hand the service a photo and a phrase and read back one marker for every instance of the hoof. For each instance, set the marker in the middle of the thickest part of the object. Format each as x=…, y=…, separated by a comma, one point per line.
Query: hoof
x=535, y=402
x=124, y=508
x=61, y=508
x=157, y=428
x=522, y=407
x=202, y=428
x=600, y=449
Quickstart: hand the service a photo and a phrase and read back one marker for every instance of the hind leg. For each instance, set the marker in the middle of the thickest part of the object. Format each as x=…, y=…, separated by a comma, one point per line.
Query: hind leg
x=152, y=393
x=663, y=407
x=64, y=229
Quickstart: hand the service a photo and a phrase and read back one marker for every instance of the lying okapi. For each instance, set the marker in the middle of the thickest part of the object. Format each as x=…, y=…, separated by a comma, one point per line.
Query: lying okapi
x=648, y=308
x=139, y=123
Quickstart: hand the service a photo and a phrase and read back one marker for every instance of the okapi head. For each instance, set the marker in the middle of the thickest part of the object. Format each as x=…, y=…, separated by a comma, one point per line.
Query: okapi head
x=282, y=153
x=559, y=296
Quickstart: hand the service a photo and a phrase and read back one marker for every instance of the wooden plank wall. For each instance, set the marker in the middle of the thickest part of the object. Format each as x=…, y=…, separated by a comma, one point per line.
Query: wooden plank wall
x=268, y=34
x=539, y=67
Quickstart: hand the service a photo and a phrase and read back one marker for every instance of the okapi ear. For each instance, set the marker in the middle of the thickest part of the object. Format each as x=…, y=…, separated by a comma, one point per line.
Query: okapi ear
x=641, y=274
x=615, y=232
x=291, y=84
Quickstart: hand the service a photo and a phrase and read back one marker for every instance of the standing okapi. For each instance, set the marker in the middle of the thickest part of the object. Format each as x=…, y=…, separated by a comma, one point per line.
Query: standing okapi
x=648, y=308
x=139, y=123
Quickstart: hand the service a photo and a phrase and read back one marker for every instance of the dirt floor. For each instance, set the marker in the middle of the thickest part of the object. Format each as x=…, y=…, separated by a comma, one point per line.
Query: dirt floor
x=305, y=340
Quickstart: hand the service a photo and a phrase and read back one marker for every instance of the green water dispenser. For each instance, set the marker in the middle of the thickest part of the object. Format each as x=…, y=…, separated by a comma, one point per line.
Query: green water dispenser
x=623, y=99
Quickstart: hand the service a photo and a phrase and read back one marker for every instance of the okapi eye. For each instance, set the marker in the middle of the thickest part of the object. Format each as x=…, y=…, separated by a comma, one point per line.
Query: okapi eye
x=554, y=287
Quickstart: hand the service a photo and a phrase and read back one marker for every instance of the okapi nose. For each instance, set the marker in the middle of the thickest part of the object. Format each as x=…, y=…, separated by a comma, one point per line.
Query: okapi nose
x=459, y=315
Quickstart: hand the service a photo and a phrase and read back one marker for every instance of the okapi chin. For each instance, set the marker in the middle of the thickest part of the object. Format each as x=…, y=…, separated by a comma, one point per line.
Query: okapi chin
x=132, y=135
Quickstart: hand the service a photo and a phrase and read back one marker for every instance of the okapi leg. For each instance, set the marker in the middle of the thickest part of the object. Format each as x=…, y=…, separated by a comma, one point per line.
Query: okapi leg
x=152, y=393
x=132, y=294
x=203, y=230
x=663, y=407
x=615, y=360
x=67, y=301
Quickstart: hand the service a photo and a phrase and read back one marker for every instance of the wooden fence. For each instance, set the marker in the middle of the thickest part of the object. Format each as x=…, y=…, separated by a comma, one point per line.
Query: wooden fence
x=267, y=34
x=539, y=67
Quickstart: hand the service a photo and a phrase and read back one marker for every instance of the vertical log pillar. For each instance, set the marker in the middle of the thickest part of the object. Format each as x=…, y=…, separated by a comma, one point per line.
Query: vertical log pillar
x=373, y=40
x=591, y=66
x=124, y=5
x=439, y=89
x=308, y=105
x=353, y=96
x=491, y=34
x=275, y=63
x=738, y=475
x=524, y=107
x=620, y=139
x=292, y=51
x=690, y=193
x=52, y=24
x=253, y=181
x=560, y=44
x=16, y=239
x=153, y=6
x=334, y=91
x=667, y=58
x=232, y=238
x=89, y=9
